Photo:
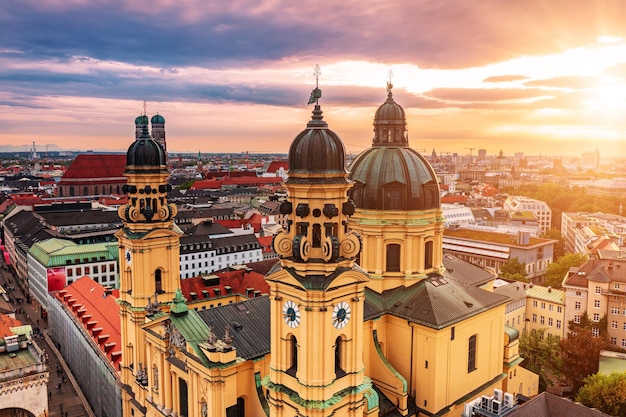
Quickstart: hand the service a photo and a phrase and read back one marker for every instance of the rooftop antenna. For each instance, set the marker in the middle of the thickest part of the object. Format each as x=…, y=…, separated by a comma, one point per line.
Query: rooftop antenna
x=316, y=94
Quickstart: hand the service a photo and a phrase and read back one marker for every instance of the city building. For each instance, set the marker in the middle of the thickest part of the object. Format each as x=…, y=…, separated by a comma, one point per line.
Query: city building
x=515, y=309
x=582, y=230
x=615, y=187
x=540, y=209
x=84, y=323
x=545, y=309
x=598, y=288
x=492, y=250
x=93, y=175
x=56, y=263
x=23, y=371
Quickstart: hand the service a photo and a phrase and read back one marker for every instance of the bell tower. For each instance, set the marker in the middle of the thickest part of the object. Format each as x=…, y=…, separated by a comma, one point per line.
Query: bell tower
x=316, y=291
x=149, y=258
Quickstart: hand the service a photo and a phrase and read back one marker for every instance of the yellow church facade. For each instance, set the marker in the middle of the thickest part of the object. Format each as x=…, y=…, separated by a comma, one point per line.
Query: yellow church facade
x=363, y=318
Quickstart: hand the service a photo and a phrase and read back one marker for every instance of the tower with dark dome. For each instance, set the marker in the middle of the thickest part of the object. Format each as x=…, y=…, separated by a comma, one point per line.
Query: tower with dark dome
x=398, y=211
x=158, y=131
x=316, y=290
x=141, y=121
x=149, y=255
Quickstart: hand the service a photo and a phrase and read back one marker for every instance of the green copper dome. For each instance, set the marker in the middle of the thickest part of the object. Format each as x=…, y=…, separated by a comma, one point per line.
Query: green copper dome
x=157, y=119
x=141, y=120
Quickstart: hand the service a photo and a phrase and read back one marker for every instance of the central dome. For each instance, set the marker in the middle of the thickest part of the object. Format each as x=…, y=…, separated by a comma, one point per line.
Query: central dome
x=316, y=152
x=390, y=175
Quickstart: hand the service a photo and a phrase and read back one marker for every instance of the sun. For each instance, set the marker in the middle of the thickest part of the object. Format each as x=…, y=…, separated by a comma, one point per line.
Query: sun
x=608, y=96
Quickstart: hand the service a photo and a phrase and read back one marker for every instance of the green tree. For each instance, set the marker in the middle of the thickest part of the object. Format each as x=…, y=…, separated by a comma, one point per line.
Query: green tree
x=513, y=269
x=559, y=247
x=556, y=271
x=607, y=393
x=580, y=352
x=542, y=355
x=186, y=185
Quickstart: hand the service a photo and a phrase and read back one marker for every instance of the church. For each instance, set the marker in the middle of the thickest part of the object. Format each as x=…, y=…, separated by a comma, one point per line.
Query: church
x=365, y=316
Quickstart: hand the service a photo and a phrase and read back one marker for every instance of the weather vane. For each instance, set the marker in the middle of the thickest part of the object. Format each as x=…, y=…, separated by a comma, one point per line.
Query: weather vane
x=316, y=93
x=389, y=85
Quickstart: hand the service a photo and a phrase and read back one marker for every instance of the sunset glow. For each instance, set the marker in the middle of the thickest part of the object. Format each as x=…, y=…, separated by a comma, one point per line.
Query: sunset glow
x=75, y=74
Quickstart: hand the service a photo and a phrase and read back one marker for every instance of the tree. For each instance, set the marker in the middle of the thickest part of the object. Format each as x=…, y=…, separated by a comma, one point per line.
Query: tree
x=542, y=355
x=513, y=269
x=559, y=246
x=556, y=271
x=607, y=393
x=580, y=352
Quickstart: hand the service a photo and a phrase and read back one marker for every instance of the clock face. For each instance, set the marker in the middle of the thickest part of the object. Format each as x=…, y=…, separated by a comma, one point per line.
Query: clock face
x=291, y=314
x=127, y=255
x=341, y=315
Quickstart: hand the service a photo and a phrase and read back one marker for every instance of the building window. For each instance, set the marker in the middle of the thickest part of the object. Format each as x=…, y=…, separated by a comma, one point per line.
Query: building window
x=616, y=285
x=598, y=290
x=471, y=354
x=595, y=332
x=559, y=309
x=452, y=331
x=158, y=284
x=428, y=255
x=596, y=304
x=339, y=352
x=87, y=270
x=579, y=293
x=550, y=321
x=534, y=318
x=614, y=324
x=558, y=324
x=542, y=320
x=613, y=340
x=393, y=257
x=624, y=343
x=577, y=305
x=596, y=317
x=551, y=307
x=70, y=272
x=293, y=353
x=615, y=310
x=576, y=319
x=543, y=306
x=534, y=303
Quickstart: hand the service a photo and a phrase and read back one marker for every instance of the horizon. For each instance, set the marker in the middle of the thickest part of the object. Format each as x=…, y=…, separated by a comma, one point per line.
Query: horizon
x=236, y=78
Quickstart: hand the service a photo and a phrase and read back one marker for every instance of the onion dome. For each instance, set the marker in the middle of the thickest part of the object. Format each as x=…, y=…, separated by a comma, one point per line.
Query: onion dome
x=317, y=151
x=141, y=120
x=390, y=175
x=145, y=152
x=157, y=119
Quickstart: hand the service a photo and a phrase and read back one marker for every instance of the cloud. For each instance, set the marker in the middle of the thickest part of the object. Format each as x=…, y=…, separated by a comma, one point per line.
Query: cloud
x=504, y=78
x=571, y=82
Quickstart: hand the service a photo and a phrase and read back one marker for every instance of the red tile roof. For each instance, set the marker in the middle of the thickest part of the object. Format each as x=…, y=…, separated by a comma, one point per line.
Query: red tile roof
x=238, y=280
x=6, y=322
x=266, y=243
x=237, y=181
x=276, y=165
x=454, y=199
x=87, y=165
x=99, y=315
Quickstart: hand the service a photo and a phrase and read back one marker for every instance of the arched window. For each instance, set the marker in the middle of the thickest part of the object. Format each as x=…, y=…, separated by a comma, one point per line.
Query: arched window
x=85, y=190
x=471, y=354
x=293, y=355
x=95, y=190
x=428, y=255
x=339, y=357
x=393, y=257
x=183, y=398
x=317, y=236
x=118, y=189
x=158, y=285
x=60, y=191
x=71, y=191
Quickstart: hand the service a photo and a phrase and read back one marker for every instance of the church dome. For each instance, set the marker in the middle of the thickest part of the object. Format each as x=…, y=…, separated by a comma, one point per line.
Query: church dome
x=145, y=152
x=157, y=119
x=316, y=150
x=390, y=175
x=141, y=120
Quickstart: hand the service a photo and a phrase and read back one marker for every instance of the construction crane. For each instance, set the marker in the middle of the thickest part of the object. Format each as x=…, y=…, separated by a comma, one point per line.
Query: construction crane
x=471, y=150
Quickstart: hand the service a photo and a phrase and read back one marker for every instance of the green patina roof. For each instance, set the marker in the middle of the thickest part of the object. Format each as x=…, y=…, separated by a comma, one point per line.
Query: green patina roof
x=60, y=252
x=546, y=293
x=194, y=330
x=512, y=332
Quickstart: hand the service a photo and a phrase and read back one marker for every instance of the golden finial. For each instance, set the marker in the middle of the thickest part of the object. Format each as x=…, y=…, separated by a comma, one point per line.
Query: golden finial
x=389, y=85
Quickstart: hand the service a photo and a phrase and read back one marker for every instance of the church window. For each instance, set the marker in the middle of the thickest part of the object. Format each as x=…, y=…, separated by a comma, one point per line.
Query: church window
x=71, y=191
x=428, y=255
x=293, y=355
x=339, y=357
x=95, y=190
x=393, y=257
x=237, y=410
x=85, y=190
x=471, y=354
x=183, y=395
x=118, y=189
x=158, y=284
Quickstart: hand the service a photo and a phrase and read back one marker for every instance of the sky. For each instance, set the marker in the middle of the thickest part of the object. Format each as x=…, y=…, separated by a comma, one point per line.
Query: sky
x=535, y=76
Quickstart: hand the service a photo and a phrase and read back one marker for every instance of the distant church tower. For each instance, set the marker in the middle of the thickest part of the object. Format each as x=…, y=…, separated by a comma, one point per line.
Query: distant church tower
x=316, y=291
x=149, y=256
x=398, y=214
